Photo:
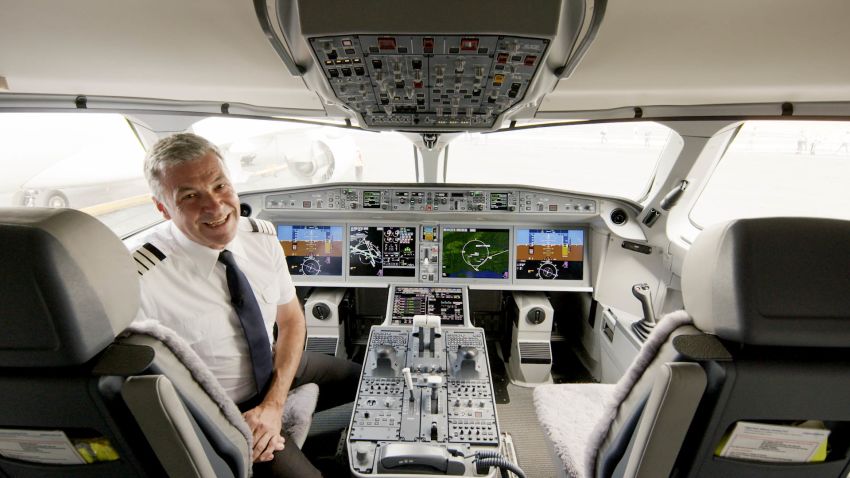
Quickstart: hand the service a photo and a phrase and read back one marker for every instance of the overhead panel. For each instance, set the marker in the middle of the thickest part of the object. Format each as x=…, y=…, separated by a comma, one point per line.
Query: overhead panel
x=447, y=81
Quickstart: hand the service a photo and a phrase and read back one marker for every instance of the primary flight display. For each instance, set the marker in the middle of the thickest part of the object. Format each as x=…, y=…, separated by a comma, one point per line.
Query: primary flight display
x=312, y=250
x=549, y=254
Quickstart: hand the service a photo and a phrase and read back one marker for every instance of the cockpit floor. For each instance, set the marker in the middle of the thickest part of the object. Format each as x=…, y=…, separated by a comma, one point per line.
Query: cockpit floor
x=518, y=418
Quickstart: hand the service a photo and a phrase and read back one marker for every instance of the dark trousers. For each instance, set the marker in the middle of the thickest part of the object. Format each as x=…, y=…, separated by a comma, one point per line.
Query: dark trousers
x=337, y=380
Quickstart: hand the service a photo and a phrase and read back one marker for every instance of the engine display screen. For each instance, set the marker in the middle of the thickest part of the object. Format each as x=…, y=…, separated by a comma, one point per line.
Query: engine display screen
x=550, y=254
x=447, y=302
x=382, y=251
x=475, y=253
x=312, y=250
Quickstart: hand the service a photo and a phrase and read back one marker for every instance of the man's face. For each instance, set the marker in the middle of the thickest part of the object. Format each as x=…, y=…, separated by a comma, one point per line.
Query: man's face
x=199, y=199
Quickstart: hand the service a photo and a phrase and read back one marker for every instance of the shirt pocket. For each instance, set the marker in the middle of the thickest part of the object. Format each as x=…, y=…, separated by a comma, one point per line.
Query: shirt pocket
x=197, y=329
x=270, y=294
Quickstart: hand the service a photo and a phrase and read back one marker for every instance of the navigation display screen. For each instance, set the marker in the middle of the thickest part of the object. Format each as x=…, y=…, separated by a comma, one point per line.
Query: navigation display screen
x=312, y=250
x=447, y=302
x=388, y=251
x=550, y=254
x=475, y=253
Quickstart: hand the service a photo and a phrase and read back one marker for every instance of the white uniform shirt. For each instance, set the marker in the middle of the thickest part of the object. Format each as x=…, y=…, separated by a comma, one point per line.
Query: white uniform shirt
x=187, y=292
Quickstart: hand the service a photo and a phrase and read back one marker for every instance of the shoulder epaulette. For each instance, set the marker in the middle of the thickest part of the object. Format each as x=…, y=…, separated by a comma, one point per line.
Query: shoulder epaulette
x=147, y=257
x=260, y=225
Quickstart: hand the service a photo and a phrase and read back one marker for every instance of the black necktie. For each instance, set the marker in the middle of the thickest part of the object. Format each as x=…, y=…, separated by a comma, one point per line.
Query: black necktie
x=245, y=303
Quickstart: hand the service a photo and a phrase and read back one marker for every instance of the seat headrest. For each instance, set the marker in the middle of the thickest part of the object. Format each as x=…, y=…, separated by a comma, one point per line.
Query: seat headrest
x=67, y=287
x=772, y=281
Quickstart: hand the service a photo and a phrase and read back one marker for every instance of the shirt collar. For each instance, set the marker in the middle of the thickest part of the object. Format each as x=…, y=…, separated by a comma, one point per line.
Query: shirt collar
x=202, y=257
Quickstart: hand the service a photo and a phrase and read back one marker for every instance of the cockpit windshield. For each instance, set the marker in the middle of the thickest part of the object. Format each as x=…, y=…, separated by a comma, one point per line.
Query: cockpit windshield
x=612, y=159
x=93, y=161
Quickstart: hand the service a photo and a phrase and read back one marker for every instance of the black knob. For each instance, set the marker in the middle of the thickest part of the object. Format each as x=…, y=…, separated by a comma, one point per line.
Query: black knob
x=536, y=316
x=321, y=311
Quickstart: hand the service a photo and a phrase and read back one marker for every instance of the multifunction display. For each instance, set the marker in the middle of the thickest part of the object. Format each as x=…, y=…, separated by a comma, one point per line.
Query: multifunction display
x=549, y=254
x=382, y=251
x=447, y=302
x=312, y=250
x=475, y=253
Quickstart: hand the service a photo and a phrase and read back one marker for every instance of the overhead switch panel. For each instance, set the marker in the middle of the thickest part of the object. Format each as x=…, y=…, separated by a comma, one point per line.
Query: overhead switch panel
x=429, y=81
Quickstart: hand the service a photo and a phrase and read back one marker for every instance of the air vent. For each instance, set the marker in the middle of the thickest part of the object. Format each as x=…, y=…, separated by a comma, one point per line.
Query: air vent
x=619, y=217
x=535, y=352
x=245, y=210
x=323, y=345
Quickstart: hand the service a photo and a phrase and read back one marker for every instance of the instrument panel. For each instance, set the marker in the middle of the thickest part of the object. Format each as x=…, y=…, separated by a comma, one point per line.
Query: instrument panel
x=374, y=236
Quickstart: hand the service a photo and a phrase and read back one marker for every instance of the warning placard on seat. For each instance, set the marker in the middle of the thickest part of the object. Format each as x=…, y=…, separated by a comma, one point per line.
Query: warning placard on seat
x=764, y=442
x=39, y=446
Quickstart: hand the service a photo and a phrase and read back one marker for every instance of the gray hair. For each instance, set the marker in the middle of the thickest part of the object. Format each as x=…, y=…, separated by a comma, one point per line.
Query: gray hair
x=174, y=150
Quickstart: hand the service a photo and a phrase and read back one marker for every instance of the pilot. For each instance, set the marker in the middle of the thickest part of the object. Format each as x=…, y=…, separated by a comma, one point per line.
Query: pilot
x=221, y=282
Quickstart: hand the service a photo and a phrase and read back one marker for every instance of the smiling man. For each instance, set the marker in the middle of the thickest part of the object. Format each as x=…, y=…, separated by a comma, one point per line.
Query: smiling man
x=221, y=282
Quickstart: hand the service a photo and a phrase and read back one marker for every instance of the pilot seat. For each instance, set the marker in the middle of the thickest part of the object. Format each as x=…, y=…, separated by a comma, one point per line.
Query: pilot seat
x=763, y=344
x=74, y=401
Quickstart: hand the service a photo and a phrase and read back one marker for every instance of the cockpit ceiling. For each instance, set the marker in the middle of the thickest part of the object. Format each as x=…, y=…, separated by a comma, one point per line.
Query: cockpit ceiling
x=653, y=52
x=666, y=52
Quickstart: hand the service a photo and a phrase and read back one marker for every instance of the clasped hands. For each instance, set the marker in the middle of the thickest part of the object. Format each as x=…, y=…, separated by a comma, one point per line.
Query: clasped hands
x=265, y=424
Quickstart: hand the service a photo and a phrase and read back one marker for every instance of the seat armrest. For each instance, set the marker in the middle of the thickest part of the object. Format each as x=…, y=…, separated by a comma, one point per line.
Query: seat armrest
x=666, y=418
x=165, y=422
